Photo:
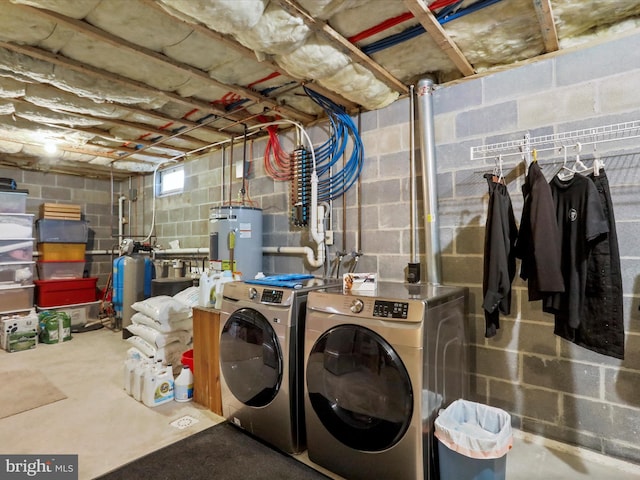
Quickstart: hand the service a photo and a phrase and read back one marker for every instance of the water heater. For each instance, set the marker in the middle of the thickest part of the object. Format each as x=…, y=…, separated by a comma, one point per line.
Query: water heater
x=236, y=236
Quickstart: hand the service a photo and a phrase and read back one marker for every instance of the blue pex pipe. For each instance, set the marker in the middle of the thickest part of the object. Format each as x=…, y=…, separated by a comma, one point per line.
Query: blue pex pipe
x=417, y=30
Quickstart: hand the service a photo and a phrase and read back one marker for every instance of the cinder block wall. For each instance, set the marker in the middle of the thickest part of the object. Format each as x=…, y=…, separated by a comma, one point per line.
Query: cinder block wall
x=549, y=386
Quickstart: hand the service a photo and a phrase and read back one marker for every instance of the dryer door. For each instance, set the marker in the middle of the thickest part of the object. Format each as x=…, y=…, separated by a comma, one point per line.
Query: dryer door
x=359, y=388
x=250, y=357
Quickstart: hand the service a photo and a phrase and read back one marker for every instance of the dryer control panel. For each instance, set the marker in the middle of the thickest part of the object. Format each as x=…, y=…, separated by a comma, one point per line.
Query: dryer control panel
x=387, y=309
x=271, y=296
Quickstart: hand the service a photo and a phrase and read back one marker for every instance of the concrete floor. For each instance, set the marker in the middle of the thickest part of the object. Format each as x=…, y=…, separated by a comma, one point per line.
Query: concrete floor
x=107, y=428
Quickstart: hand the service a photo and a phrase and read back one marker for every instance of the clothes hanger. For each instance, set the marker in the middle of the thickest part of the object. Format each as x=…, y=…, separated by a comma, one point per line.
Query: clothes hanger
x=498, y=175
x=565, y=173
x=597, y=163
x=578, y=166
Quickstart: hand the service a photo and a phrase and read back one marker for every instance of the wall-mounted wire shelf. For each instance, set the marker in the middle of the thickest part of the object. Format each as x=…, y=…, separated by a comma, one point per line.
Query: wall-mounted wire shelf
x=587, y=136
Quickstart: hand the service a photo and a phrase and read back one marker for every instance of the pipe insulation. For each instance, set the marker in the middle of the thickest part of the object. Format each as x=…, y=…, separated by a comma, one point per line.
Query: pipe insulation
x=429, y=176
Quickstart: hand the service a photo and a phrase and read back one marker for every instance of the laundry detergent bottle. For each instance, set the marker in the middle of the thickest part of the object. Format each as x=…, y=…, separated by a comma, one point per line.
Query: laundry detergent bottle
x=133, y=360
x=227, y=276
x=206, y=287
x=183, y=386
x=158, y=387
x=137, y=384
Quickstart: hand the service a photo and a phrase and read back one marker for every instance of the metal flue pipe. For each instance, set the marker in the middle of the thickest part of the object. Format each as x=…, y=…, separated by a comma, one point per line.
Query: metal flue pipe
x=429, y=176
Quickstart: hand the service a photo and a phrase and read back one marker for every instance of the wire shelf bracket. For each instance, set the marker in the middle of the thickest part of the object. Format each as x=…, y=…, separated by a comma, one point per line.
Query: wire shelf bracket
x=587, y=136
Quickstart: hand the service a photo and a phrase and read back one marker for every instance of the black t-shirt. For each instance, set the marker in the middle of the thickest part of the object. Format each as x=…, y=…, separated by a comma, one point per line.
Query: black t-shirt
x=580, y=221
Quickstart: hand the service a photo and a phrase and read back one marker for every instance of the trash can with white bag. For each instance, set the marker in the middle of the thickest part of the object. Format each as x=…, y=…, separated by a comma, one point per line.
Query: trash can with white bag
x=473, y=441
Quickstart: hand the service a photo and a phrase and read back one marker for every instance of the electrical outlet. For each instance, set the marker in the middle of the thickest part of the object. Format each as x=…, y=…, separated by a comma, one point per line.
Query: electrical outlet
x=328, y=237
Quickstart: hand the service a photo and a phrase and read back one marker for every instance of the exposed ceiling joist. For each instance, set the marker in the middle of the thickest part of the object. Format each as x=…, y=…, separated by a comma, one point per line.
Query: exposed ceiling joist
x=120, y=43
x=251, y=55
x=71, y=149
x=145, y=128
x=426, y=18
x=345, y=45
x=65, y=62
x=83, y=169
x=547, y=25
x=140, y=141
x=164, y=68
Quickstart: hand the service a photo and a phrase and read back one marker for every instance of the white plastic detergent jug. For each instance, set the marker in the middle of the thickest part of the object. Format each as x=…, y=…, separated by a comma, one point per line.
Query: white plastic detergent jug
x=227, y=276
x=158, y=388
x=138, y=377
x=134, y=357
x=206, y=289
x=183, y=385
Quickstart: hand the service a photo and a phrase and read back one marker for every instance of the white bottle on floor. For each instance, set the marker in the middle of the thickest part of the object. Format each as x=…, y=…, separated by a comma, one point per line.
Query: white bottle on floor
x=158, y=387
x=183, y=385
x=127, y=380
x=138, y=377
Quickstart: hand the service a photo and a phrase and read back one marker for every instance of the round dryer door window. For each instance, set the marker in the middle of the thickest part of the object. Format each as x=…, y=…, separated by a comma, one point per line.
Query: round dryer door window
x=359, y=388
x=250, y=358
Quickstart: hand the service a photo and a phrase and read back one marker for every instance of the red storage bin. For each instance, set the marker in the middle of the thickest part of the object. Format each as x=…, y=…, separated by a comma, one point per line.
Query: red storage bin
x=52, y=293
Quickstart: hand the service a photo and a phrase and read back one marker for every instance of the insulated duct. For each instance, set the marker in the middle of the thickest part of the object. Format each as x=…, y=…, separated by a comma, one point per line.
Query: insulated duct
x=429, y=187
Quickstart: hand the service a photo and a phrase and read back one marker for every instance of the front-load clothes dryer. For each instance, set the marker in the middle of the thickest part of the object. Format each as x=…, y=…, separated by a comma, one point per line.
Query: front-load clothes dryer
x=261, y=359
x=377, y=370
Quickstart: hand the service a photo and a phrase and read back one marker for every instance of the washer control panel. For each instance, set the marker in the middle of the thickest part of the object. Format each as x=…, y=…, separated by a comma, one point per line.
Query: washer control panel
x=387, y=309
x=271, y=296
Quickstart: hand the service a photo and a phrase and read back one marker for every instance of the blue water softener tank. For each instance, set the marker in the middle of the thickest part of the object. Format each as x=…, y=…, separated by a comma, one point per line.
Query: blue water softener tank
x=236, y=236
x=132, y=275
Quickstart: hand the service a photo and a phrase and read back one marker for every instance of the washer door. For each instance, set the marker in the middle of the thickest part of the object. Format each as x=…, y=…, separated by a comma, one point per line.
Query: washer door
x=250, y=358
x=359, y=388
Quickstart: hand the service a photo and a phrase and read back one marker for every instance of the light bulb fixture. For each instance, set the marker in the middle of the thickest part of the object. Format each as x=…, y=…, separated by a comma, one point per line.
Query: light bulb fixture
x=50, y=147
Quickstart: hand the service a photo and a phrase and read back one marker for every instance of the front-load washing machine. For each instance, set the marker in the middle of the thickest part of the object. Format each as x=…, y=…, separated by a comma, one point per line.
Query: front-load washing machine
x=377, y=369
x=261, y=357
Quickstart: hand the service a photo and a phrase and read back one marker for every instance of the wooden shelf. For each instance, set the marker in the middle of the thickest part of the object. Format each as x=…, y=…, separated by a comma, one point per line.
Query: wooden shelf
x=206, y=359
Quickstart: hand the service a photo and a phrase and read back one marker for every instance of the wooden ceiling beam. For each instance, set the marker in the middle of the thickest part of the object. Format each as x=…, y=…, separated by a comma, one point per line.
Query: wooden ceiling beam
x=34, y=164
x=106, y=135
x=68, y=148
x=344, y=45
x=433, y=28
x=547, y=25
x=165, y=119
x=119, y=43
x=267, y=62
x=65, y=62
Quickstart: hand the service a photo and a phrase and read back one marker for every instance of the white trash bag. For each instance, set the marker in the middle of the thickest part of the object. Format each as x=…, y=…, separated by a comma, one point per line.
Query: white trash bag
x=474, y=430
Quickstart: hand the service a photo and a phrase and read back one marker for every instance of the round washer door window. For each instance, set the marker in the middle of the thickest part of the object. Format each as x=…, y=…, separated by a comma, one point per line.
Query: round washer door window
x=250, y=358
x=359, y=388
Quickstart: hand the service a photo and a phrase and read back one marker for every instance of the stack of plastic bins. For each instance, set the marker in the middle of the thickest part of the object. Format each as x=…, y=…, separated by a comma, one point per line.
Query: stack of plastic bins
x=62, y=284
x=16, y=252
x=18, y=321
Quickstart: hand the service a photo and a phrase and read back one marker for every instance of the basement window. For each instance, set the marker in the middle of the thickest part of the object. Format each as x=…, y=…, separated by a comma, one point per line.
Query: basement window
x=170, y=181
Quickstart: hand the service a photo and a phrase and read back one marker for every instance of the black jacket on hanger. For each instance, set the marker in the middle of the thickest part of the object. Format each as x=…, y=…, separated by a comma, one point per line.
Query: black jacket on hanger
x=499, y=256
x=538, y=243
